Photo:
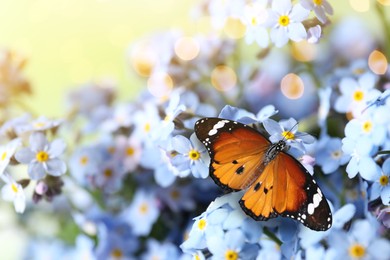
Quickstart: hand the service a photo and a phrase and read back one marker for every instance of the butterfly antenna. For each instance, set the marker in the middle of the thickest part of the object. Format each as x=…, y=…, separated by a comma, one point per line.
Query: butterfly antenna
x=289, y=131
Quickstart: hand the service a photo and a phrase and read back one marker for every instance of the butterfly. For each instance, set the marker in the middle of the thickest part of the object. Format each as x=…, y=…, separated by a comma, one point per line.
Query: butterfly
x=275, y=183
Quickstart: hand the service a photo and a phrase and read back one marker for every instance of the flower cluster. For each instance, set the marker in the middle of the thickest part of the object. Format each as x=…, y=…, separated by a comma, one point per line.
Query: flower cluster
x=275, y=21
x=130, y=180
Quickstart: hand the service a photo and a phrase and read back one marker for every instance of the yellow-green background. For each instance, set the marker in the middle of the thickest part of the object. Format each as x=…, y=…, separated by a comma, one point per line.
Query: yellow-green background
x=69, y=42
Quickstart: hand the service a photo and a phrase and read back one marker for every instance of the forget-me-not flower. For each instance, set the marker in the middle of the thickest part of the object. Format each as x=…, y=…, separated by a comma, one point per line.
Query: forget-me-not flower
x=6, y=153
x=13, y=191
x=381, y=186
x=142, y=213
x=330, y=155
x=191, y=158
x=42, y=156
x=285, y=20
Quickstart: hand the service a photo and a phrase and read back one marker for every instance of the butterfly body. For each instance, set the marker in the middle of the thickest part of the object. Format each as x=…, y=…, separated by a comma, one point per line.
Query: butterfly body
x=275, y=183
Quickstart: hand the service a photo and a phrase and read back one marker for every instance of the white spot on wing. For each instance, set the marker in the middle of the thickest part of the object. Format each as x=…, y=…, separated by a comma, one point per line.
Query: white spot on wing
x=317, y=199
x=310, y=208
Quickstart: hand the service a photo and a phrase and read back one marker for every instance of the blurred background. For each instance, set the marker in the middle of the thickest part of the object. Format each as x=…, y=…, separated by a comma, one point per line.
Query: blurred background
x=69, y=42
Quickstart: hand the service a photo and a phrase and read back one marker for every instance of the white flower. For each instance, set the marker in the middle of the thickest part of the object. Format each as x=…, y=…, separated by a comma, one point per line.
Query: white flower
x=6, y=152
x=314, y=34
x=13, y=191
x=286, y=22
x=320, y=8
x=254, y=18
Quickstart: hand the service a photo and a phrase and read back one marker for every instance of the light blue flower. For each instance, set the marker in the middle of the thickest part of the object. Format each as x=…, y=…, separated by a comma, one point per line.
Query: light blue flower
x=178, y=198
x=231, y=246
x=287, y=130
x=361, y=242
x=381, y=186
x=269, y=249
x=142, y=213
x=329, y=154
x=159, y=158
x=246, y=117
x=367, y=125
x=356, y=93
x=191, y=158
x=166, y=126
x=42, y=156
x=361, y=161
x=157, y=250
x=85, y=162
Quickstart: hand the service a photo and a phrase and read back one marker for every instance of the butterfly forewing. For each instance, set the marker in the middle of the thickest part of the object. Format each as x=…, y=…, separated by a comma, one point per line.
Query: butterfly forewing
x=236, y=151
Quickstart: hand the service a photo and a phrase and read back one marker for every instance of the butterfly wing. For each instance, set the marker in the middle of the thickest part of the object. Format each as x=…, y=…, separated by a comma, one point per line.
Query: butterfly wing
x=287, y=189
x=236, y=151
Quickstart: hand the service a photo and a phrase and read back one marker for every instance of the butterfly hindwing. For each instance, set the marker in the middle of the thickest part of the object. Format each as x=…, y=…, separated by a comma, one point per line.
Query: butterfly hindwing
x=235, y=149
x=287, y=189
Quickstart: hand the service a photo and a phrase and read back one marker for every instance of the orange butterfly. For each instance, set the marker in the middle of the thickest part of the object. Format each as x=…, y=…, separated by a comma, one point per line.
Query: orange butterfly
x=276, y=183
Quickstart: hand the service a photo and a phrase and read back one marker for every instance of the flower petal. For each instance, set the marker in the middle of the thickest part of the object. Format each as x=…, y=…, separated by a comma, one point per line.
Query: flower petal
x=181, y=144
x=56, y=148
x=25, y=155
x=297, y=32
x=36, y=171
x=55, y=167
x=38, y=141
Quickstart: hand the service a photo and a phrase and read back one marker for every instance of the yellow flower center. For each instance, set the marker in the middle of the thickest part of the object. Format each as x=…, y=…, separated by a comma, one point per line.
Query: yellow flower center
x=231, y=255
x=39, y=124
x=116, y=253
x=130, y=151
x=108, y=173
x=111, y=150
x=367, y=126
x=317, y=2
x=202, y=224
x=288, y=135
x=336, y=154
x=147, y=127
x=3, y=156
x=358, y=95
x=42, y=156
x=14, y=188
x=384, y=180
x=196, y=257
x=357, y=250
x=284, y=20
x=175, y=194
x=84, y=160
x=254, y=21
x=143, y=208
x=194, y=155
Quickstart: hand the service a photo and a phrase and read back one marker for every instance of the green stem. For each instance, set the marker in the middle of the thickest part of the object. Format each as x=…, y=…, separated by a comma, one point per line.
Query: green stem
x=272, y=236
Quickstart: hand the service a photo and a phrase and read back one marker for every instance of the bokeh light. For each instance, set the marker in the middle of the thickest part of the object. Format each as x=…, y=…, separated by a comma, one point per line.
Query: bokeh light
x=223, y=78
x=304, y=51
x=377, y=62
x=292, y=86
x=360, y=5
x=160, y=85
x=187, y=48
x=234, y=28
x=142, y=59
x=384, y=2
